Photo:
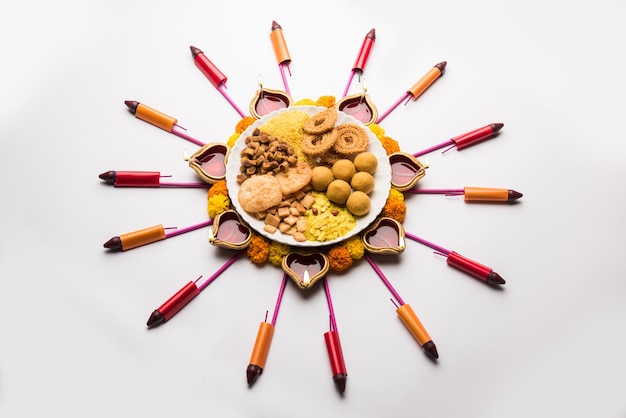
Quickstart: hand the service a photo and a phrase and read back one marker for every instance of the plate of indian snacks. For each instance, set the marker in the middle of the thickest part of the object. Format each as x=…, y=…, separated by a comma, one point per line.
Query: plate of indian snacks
x=308, y=176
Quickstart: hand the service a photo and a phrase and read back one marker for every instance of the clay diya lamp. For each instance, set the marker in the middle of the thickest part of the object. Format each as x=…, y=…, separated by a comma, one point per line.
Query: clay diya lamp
x=210, y=162
x=385, y=236
x=305, y=268
x=265, y=101
x=229, y=231
x=406, y=171
x=360, y=107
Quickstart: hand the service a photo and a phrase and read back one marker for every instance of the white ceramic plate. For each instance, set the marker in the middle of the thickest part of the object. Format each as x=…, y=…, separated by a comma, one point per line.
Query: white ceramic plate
x=382, y=179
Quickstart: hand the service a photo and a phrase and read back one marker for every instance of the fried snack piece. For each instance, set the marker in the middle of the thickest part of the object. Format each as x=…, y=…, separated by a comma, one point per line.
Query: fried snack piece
x=351, y=139
x=294, y=178
x=259, y=193
x=320, y=122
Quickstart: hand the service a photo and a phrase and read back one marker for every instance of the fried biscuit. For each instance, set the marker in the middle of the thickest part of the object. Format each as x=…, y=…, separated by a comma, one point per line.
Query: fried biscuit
x=259, y=193
x=294, y=178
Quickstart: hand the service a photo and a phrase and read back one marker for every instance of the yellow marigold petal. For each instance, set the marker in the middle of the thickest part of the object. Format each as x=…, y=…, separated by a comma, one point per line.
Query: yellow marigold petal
x=277, y=252
x=305, y=102
x=396, y=195
x=232, y=139
x=355, y=247
x=377, y=130
x=243, y=124
x=217, y=204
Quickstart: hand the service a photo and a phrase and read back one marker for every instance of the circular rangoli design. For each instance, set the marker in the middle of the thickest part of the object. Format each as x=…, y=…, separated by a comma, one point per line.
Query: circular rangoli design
x=309, y=187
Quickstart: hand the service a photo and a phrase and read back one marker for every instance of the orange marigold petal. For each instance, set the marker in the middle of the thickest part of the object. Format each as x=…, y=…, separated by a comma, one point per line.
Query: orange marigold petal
x=326, y=101
x=218, y=188
x=243, y=124
x=390, y=145
x=395, y=209
x=339, y=259
x=259, y=250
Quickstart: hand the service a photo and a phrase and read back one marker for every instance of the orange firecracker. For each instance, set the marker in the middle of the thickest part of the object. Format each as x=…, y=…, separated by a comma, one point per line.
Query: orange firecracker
x=260, y=351
x=136, y=239
x=429, y=78
x=415, y=327
x=279, y=44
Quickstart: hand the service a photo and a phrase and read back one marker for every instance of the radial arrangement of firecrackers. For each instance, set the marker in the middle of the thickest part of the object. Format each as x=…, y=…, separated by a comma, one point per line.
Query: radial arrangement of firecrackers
x=306, y=265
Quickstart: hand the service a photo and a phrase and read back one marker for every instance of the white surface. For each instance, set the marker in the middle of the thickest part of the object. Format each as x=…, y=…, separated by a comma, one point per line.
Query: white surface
x=382, y=178
x=551, y=343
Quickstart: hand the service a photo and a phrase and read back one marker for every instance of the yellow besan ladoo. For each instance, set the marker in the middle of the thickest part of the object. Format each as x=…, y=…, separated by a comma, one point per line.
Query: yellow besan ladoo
x=362, y=182
x=343, y=170
x=358, y=203
x=338, y=191
x=321, y=177
x=366, y=161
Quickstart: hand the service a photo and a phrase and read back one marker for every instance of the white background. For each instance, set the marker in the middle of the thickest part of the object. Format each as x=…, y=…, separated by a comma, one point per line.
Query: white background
x=73, y=340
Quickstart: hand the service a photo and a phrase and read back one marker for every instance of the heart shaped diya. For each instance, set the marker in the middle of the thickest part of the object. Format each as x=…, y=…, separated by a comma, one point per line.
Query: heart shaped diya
x=406, y=170
x=360, y=107
x=210, y=162
x=385, y=236
x=266, y=101
x=229, y=231
x=305, y=268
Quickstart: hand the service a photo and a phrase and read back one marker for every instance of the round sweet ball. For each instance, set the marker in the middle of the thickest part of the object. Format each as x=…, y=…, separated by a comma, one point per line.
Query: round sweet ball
x=358, y=203
x=343, y=169
x=338, y=191
x=366, y=161
x=363, y=182
x=321, y=177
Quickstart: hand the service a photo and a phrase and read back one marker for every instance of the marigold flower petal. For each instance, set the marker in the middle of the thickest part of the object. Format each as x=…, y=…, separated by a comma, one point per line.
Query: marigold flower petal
x=396, y=195
x=259, y=249
x=339, y=259
x=243, y=124
x=394, y=209
x=390, y=145
x=305, y=102
x=232, y=139
x=217, y=204
x=355, y=247
x=377, y=130
x=277, y=252
x=326, y=101
x=218, y=188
